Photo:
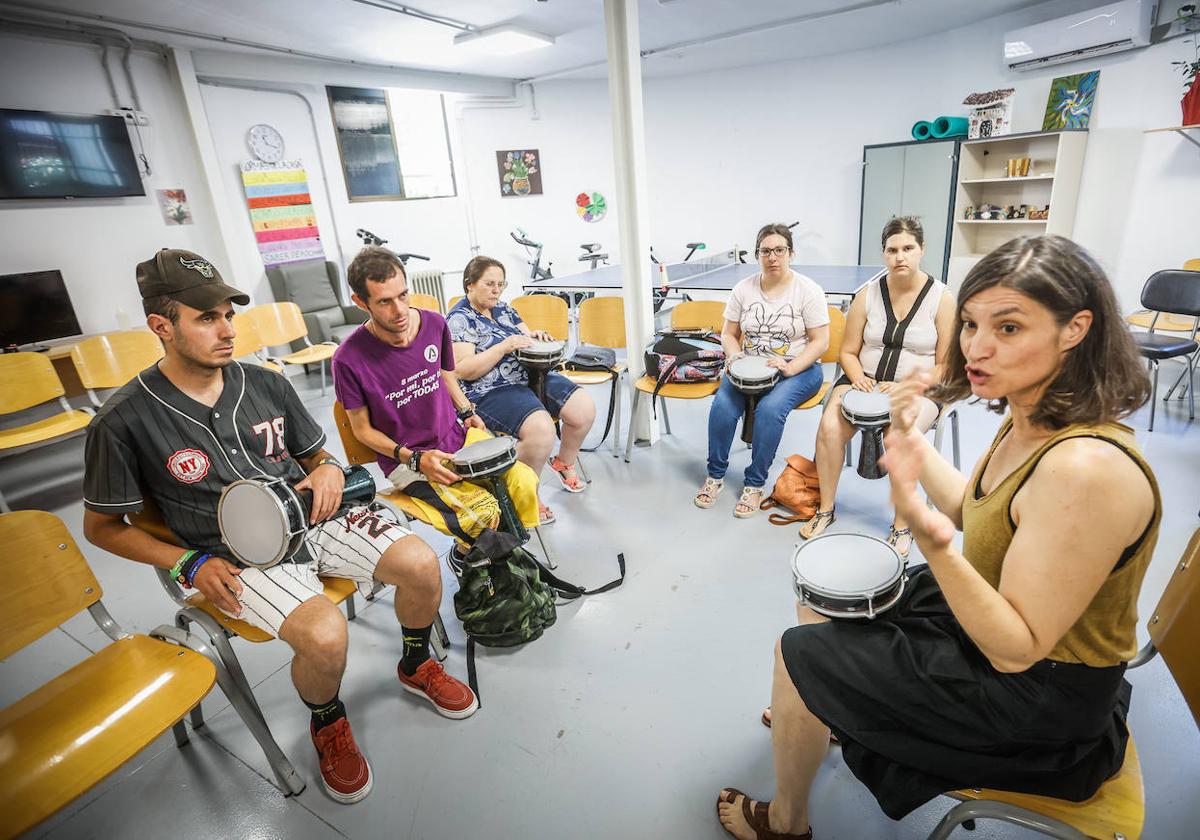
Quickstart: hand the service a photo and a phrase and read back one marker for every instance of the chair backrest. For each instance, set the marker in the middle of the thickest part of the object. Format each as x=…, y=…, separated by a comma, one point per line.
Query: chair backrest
x=357, y=452
x=111, y=360
x=698, y=314
x=451, y=303
x=278, y=323
x=1175, y=625
x=544, y=312
x=1192, y=265
x=837, y=331
x=310, y=284
x=26, y=380
x=246, y=340
x=420, y=301
x=602, y=322
x=1174, y=290
x=46, y=578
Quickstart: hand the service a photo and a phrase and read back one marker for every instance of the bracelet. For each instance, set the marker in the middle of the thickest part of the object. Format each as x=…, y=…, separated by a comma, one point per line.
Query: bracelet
x=200, y=561
x=329, y=460
x=183, y=558
x=396, y=454
x=466, y=411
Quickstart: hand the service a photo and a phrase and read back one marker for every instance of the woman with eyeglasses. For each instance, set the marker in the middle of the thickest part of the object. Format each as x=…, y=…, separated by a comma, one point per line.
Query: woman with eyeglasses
x=486, y=331
x=782, y=316
x=896, y=324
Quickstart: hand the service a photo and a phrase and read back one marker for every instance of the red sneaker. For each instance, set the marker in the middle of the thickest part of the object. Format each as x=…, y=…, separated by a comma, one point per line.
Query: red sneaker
x=344, y=770
x=451, y=698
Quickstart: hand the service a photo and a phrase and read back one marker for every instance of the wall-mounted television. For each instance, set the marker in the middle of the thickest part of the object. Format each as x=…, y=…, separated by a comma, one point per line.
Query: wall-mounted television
x=44, y=154
x=35, y=306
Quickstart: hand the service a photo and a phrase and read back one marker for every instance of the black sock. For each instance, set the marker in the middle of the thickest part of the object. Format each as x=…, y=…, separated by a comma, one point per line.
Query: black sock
x=324, y=714
x=416, y=648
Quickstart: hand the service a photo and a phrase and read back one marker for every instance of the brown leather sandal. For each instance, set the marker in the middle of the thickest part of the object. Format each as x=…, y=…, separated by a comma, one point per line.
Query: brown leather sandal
x=757, y=818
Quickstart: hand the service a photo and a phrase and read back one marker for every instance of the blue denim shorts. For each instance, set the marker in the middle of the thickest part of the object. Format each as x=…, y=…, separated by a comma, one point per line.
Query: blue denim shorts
x=504, y=409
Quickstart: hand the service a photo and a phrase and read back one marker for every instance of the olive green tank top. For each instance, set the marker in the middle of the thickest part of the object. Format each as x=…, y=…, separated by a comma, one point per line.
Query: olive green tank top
x=1106, y=633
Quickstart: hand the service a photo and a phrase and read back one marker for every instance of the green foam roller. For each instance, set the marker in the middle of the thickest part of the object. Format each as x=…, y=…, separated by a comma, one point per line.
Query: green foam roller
x=922, y=130
x=949, y=127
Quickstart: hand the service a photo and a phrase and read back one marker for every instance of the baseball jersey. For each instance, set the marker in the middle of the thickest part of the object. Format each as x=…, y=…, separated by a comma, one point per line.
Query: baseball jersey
x=151, y=438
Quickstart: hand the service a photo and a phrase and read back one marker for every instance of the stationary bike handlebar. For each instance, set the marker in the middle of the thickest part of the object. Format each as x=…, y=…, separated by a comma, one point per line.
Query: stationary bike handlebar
x=524, y=240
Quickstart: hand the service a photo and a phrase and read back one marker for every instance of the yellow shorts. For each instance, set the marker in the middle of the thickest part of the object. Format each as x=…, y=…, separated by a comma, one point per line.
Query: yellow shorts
x=463, y=509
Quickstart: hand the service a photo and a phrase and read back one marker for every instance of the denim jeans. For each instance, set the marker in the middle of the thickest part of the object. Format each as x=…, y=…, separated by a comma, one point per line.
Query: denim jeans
x=770, y=414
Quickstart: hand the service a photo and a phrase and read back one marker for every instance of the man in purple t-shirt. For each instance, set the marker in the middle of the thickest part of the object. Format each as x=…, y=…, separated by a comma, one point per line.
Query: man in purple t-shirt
x=395, y=377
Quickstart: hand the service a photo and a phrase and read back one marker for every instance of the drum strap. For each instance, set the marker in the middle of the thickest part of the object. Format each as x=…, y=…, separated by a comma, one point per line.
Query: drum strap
x=612, y=406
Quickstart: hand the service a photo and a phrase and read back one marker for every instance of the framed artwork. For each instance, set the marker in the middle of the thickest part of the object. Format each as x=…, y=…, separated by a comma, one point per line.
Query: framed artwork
x=281, y=211
x=1070, y=102
x=362, y=122
x=174, y=207
x=520, y=172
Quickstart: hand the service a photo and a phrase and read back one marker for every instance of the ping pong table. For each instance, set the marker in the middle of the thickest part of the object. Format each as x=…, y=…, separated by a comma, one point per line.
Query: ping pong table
x=836, y=280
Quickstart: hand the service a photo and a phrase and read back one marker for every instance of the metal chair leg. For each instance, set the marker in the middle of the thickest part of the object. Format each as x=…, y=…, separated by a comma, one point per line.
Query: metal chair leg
x=438, y=640
x=971, y=810
x=637, y=399
x=1153, y=393
x=849, y=454
x=180, y=732
x=4, y=508
x=616, y=441
x=351, y=612
x=666, y=416
x=1191, y=391
x=954, y=438
x=582, y=470
x=545, y=551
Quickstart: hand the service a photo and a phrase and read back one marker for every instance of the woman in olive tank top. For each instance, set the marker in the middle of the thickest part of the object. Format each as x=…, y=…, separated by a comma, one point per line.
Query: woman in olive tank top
x=1002, y=665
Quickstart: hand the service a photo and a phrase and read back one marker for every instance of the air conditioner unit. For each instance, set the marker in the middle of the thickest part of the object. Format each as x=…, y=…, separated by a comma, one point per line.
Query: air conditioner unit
x=1099, y=31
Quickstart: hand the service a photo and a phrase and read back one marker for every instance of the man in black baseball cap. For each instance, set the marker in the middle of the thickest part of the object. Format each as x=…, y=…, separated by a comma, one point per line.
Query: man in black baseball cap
x=186, y=277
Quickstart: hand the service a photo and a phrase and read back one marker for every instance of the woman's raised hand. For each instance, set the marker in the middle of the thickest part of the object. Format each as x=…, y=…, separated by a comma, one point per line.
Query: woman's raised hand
x=906, y=399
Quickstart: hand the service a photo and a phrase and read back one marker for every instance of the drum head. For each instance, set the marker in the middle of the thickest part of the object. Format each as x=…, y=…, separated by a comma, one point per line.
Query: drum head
x=866, y=406
x=546, y=348
x=752, y=369
x=846, y=565
x=253, y=523
x=483, y=450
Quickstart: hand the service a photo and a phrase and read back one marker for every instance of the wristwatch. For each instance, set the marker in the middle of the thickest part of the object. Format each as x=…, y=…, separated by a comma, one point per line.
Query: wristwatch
x=466, y=411
x=414, y=461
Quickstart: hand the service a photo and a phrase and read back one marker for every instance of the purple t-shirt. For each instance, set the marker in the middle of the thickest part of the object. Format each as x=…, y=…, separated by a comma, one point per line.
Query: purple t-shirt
x=401, y=387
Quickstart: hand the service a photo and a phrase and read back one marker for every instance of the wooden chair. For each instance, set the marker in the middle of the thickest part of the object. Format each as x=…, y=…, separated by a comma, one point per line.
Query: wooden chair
x=28, y=380
x=220, y=628
x=73, y=731
x=544, y=312
x=688, y=315
x=280, y=324
x=452, y=302
x=1117, y=810
x=602, y=324
x=358, y=452
x=248, y=345
x=426, y=302
x=110, y=360
x=837, y=331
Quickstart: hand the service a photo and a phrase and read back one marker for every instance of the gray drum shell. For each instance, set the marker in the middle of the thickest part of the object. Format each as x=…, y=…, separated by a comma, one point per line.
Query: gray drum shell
x=485, y=458
x=252, y=512
x=756, y=382
x=866, y=409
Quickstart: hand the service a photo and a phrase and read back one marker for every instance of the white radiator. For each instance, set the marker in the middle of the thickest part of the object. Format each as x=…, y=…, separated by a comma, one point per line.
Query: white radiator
x=428, y=283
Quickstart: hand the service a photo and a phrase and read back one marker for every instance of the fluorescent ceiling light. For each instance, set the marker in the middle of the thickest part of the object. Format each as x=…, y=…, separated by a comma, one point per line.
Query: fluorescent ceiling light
x=505, y=39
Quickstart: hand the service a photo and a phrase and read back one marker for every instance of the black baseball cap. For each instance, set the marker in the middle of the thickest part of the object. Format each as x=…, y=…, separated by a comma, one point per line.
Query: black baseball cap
x=187, y=278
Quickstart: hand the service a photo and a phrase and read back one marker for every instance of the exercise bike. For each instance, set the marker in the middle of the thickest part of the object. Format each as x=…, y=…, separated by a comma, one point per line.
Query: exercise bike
x=369, y=238
x=536, y=272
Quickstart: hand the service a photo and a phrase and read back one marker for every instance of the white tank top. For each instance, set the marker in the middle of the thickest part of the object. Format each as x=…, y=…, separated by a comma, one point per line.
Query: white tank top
x=893, y=347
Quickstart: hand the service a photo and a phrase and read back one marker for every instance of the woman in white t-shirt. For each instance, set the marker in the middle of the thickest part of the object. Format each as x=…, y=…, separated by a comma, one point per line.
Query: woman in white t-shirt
x=896, y=324
x=781, y=315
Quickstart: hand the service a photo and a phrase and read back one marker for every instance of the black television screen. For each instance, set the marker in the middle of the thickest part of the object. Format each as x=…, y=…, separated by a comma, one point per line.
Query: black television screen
x=34, y=307
x=51, y=155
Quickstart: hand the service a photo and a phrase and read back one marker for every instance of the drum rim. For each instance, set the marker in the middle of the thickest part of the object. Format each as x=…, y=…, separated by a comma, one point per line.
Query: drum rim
x=862, y=416
x=828, y=593
x=873, y=608
x=286, y=550
x=489, y=463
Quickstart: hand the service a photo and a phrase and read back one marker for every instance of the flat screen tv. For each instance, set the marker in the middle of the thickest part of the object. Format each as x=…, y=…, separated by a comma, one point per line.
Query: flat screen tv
x=45, y=154
x=35, y=307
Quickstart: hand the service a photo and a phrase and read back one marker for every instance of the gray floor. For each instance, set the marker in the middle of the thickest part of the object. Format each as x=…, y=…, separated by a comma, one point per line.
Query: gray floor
x=624, y=720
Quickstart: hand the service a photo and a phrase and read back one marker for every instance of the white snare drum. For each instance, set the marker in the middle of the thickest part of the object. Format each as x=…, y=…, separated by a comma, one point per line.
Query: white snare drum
x=542, y=355
x=752, y=375
x=847, y=575
x=485, y=458
x=869, y=412
x=263, y=521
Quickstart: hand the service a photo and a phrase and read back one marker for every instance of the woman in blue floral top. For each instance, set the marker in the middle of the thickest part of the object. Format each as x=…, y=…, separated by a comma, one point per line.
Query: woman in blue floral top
x=486, y=331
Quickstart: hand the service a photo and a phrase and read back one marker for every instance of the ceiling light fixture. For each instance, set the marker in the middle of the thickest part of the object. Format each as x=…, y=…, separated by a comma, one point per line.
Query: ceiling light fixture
x=504, y=39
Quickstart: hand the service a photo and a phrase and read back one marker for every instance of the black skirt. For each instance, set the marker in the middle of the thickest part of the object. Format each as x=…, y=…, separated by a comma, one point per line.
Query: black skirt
x=920, y=711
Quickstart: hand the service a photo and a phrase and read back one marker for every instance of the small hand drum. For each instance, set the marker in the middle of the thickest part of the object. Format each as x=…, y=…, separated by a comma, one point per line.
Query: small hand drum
x=264, y=521
x=847, y=575
x=542, y=355
x=753, y=377
x=485, y=458
x=869, y=412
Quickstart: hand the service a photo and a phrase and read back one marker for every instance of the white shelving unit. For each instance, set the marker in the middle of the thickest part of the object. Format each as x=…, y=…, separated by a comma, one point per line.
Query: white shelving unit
x=1056, y=166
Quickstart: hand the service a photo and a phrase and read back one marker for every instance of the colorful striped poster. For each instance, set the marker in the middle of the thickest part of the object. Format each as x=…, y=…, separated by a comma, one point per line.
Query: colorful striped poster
x=281, y=211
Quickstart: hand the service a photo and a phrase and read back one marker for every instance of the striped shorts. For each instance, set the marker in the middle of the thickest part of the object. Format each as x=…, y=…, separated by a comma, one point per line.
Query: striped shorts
x=347, y=547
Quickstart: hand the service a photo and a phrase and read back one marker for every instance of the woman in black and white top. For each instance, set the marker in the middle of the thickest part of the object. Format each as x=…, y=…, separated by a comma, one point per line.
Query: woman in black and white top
x=900, y=322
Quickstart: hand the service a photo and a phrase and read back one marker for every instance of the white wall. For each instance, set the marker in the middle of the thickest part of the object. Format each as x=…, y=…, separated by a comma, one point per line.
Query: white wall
x=96, y=243
x=730, y=150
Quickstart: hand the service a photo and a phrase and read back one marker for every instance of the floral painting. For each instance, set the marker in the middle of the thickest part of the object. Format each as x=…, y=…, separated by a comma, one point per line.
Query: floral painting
x=520, y=172
x=1070, y=102
x=174, y=206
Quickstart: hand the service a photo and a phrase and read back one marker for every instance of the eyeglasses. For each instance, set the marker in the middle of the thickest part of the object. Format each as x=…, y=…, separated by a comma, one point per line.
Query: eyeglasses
x=499, y=287
x=779, y=251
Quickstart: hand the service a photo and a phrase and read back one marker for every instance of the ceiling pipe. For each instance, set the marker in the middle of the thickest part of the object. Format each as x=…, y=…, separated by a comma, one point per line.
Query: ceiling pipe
x=388, y=6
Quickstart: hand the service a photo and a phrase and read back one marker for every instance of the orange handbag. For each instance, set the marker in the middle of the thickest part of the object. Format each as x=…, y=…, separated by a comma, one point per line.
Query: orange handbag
x=796, y=489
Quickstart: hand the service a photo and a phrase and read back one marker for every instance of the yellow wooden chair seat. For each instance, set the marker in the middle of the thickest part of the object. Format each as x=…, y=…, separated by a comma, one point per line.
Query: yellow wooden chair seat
x=43, y=430
x=593, y=377
x=1119, y=806
x=678, y=390
x=69, y=734
x=313, y=355
x=815, y=399
x=1166, y=321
